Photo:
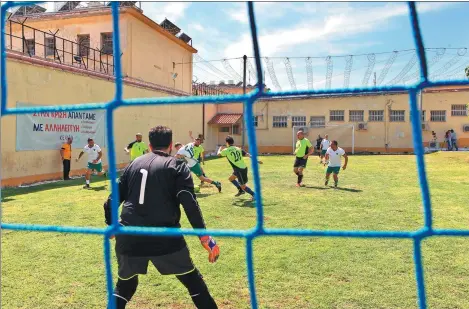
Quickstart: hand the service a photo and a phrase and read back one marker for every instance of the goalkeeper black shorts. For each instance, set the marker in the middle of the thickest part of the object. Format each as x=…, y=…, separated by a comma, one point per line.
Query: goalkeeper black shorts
x=177, y=263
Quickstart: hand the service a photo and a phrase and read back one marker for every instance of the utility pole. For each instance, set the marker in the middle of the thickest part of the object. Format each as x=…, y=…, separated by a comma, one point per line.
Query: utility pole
x=374, y=79
x=245, y=59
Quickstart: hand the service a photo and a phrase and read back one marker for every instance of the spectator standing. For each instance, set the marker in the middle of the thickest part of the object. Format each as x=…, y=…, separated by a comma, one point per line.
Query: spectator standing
x=66, y=155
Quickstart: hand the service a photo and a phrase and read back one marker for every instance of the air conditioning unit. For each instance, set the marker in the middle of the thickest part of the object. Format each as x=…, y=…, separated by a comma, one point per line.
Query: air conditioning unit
x=465, y=128
x=362, y=126
x=425, y=126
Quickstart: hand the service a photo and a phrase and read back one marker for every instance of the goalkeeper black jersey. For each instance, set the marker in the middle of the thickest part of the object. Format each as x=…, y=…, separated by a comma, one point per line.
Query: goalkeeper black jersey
x=151, y=189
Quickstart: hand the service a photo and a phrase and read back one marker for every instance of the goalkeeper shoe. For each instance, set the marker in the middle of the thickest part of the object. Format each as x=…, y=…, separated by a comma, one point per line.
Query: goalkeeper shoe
x=327, y=182
x=211, y=246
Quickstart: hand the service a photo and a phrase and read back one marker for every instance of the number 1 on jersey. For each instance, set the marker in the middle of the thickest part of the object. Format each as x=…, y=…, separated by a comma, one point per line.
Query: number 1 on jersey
x=142, y=186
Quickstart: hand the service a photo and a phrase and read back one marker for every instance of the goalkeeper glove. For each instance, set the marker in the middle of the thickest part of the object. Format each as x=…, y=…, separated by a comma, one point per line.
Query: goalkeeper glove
x=211, y=246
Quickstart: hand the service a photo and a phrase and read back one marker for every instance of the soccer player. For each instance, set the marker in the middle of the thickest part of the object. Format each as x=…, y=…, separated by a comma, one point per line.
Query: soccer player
x=334, y=155
x=240, y=171
x=187, y=152
x=325, y=144
x=318, y=145
x=66, y=155
x=199, y=152
x=302, y=151
x=137, y=148
x=94, y=161
x=169, y=184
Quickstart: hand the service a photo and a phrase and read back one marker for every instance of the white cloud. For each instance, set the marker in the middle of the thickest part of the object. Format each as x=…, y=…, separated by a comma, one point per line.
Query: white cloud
x=336, y=25
x=196, y=27
x=158, y=11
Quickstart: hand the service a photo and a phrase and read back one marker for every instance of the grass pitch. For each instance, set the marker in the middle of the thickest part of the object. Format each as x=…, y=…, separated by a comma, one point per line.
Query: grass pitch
x=53, y=270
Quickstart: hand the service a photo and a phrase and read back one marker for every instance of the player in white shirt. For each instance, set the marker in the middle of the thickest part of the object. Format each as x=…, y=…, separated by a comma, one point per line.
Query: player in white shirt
x=325, y=144
x=94, y=160
x=187, y=152
x=334, y=155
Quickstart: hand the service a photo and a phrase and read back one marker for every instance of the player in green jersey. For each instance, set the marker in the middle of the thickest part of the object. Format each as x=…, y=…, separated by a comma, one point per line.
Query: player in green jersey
x=303, y=149
x=240, y=170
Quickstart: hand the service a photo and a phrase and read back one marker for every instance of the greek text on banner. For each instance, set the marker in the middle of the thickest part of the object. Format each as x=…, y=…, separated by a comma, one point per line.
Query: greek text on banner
x=49, y=130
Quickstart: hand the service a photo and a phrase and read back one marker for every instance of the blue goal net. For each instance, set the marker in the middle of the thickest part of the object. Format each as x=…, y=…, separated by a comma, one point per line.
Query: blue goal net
x=417, y=236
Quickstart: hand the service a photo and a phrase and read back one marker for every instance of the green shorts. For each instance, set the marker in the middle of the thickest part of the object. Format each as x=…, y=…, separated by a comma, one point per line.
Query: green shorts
x=323, y=152
x=197, y=170
x=333, y=169
x=97, y=167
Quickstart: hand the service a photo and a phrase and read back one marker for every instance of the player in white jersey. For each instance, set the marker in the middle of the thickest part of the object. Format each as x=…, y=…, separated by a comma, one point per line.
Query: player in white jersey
x=187, y=152
x=325, y=144
x=334, y=155
x=94, y=160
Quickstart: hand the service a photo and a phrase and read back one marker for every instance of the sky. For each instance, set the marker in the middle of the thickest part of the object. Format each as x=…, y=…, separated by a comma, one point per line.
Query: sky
x=220, y=30
x=298, y=30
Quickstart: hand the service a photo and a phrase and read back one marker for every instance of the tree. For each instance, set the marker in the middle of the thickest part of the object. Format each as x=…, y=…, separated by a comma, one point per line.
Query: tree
x=466, y=70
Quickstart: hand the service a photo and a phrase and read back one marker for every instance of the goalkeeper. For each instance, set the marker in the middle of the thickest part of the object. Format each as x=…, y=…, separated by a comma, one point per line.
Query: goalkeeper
x=151, y=189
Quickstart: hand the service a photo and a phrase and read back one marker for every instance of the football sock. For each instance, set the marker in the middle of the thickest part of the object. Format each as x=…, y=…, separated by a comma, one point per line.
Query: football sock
x=236, y=184
x=248, y=190
x=300, y=178
x=198, y=290
x=124, y=291
x=87, y=182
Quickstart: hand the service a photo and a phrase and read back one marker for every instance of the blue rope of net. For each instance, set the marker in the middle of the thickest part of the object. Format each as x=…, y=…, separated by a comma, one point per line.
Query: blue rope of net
x=249, y=99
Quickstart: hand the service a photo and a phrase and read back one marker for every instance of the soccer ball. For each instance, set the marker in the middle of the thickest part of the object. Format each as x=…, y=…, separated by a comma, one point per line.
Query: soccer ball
x=196, y=189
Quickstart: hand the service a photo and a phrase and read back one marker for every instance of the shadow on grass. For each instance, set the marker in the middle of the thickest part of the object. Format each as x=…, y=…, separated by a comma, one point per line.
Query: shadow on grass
x=332, y=188
x=100, y=188
x=9, y=192
x=8, y=199
x=202, y=195
x=244, y=203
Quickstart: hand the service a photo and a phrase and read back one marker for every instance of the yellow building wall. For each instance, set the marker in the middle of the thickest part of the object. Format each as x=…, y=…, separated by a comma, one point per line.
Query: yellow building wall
x=69, y=29
x=146, y=54
x=41, y=85
x=383, y=136
x=396, y=135
x=155, y=58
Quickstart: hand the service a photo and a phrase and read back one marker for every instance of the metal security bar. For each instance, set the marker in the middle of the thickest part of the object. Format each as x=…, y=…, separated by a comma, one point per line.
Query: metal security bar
x=46, y=45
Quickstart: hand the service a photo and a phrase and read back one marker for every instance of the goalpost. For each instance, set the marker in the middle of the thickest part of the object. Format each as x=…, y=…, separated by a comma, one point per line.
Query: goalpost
x=344, y=134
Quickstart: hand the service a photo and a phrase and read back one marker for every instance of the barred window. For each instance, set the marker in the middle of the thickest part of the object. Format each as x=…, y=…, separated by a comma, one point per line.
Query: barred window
x=298, y=121
x=255, y=121
x=50, y=46
x=458, y=110
x=356, y=116
x=106, y=43
x=280, y=122
x=30, y=46
x=317, y=121
x=438, y=116
x=376, y=115
x=337, y=115
x=224, y=129
x=397, y=116
x=83, y=45
x=236, y=130
x=423, y=114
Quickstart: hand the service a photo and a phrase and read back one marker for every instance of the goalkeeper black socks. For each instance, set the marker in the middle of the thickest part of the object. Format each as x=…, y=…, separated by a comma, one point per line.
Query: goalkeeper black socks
x=300, y=178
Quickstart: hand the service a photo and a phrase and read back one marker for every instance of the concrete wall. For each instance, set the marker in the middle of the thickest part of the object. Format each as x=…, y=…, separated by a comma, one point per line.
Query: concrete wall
x=44, y=85
x=382, y=136
x=148, y=51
